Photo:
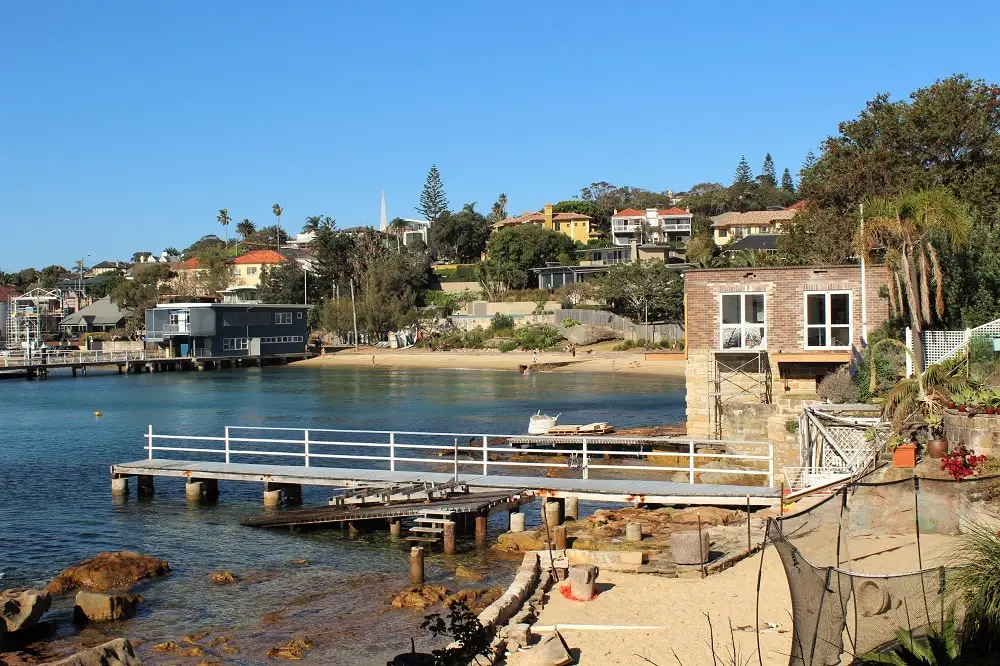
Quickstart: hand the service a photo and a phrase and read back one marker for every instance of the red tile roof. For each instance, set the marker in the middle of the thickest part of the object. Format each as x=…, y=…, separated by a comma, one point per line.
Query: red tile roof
x=801, y=205
x=260, y=257
x=673, y=210
x=6, y=293
x=570, y=216
x=630, y=212
x=189, y=265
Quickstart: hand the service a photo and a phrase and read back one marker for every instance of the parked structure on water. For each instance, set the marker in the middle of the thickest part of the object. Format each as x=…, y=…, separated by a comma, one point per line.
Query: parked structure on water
x=228, y=330
x=746, y=327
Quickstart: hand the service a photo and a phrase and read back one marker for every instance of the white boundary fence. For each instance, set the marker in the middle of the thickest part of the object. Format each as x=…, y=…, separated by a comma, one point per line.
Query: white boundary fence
x=942, y=345
x=485, y=454
x=19, y=359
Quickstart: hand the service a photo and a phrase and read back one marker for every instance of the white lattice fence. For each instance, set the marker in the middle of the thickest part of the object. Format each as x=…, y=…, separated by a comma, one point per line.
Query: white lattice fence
x=942, y=345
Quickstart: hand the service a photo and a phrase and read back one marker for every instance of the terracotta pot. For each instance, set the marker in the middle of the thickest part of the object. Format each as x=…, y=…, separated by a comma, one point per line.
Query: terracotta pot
x=962, y=408
x=951, y=404
x=904, y=456
x=936, y=448
x=991, y=410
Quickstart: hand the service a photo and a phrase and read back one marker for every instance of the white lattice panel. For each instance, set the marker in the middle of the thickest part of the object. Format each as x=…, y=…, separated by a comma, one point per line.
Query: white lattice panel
x=941, y=345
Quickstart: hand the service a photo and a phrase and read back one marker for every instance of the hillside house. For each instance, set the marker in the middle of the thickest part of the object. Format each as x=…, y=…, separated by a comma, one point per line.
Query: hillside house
x=651, y=226
x=730, y=227
x=575, y=225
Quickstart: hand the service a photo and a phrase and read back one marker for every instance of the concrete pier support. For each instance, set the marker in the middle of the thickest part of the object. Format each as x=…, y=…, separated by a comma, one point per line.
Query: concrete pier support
x=272, y=496
x=633, y=532
x=193, y=490
x=551, y=512
x=417, y=565
x=449, y=537
x=572, y=507
x=145, y=483
x=395, y=527
x=352, y=529
x=119, y=487
x=74, y=371
x=517, y=522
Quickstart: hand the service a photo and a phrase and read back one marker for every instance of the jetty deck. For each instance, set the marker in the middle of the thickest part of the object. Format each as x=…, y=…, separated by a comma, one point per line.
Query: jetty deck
x=635, y=491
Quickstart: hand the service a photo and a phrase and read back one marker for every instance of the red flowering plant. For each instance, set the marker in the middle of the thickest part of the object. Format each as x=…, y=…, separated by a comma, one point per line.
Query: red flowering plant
x=960, y=462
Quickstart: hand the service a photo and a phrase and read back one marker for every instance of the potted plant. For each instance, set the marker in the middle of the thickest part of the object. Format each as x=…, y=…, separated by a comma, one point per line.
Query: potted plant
x=904, y=454
x=992, y=400
x=964, y=399
x=936, y=444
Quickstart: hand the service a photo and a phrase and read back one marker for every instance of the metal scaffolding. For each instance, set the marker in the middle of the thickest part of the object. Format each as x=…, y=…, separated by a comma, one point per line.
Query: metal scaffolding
x=736, y=376
x=31, y=316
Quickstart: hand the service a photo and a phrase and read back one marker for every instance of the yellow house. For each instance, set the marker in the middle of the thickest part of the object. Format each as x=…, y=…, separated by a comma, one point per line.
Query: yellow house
x=247, y=268
x=575, y=225
x=730, y=227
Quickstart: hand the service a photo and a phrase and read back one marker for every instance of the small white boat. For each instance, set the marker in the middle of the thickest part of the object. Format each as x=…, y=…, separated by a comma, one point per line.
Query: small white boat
x=539, y=424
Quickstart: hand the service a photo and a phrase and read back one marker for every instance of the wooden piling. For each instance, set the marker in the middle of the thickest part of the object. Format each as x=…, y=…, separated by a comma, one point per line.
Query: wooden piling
x=481, y=527
x=448, y=537
x=417, y=565
x=559, y=536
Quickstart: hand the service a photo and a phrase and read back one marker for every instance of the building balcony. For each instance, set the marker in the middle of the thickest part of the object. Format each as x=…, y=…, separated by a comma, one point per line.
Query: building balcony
x=175, y=329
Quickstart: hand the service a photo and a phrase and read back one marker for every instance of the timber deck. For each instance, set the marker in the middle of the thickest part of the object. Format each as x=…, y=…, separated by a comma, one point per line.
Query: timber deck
x=635, y=491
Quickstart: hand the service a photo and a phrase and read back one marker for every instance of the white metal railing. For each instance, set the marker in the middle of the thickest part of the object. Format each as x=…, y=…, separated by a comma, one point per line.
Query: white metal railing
x=19, y=359
x=175, y=328
x=482, y=453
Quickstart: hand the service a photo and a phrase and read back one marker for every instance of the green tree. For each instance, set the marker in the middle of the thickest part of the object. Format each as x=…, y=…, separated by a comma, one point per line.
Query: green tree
x=808, y=163
x=215, y=272
x=906, y=228
x=106, y=286
x=277, y=210
x=497, y=277
x=744, y=175
x=787, y=184
x=397, y=228
x=246, y=229
x=644, y=290
x=50, y=275
x=25, y=277
x=529, y=246
x=499, y=210
x=172, y=252
x=333, y=250
x=287, y=283
x=209, y=240
x=433, y=202
x=142, y=292
x=463, y=233
x=767, y=176
x=316, y=222
x=224, y=220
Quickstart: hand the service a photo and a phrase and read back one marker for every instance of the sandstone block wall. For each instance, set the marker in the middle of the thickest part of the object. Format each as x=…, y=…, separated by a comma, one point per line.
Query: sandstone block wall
x=979, y=433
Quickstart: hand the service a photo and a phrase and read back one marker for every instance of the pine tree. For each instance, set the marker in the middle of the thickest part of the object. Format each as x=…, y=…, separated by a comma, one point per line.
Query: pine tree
x=744, y=176
x=787, y=184
x=433, y=202
x=809, y=161
x=767, y=172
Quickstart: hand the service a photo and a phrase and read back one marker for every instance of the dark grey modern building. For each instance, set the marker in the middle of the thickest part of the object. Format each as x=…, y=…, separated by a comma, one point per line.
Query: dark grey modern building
x=228, y=330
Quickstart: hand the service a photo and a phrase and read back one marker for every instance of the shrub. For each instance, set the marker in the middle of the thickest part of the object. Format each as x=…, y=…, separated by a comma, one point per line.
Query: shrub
x=537, y=337
x=507, y=346
x=791, y=426
x=839, y=387
x=888, y=367
x=570, y=323
x=625, y=346
x=501, y=322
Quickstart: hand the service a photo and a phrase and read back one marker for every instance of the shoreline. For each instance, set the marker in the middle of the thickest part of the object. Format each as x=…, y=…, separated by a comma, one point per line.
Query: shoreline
x=552, y=362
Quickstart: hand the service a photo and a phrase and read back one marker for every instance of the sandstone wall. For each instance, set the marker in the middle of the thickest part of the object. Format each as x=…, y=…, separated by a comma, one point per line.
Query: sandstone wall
x=979, y=433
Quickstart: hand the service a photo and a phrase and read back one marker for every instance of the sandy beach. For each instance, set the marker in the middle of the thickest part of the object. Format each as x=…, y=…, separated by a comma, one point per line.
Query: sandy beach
x=595, y=361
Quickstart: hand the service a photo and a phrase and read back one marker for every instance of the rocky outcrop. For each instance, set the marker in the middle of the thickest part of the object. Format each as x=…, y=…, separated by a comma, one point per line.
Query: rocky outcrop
x=588, y=334
x=118, y=570
x=222, y=577
x=98, y=607
x=22, y=609
x=113, y=653
x=294, y=649
x=475, y=600
x=420, y=597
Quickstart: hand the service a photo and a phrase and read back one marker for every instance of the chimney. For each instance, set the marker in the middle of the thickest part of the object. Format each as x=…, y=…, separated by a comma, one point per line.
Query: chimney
x=548, y=223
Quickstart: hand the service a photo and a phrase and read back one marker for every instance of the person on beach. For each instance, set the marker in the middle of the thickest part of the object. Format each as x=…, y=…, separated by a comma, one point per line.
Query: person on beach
x=534, y=357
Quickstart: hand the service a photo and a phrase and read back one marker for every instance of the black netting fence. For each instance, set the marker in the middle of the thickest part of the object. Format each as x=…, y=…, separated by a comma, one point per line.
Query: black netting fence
x=871, y=559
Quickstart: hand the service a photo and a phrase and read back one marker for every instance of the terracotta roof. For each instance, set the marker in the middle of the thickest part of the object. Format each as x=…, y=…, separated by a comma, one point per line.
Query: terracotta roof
x=6, y=293
x=630, y=212
x=189, y=265
x=260, y=257
x=661, y=212
x=570, y=216
x=674, y=210
x=800, y=205
x=752, y=218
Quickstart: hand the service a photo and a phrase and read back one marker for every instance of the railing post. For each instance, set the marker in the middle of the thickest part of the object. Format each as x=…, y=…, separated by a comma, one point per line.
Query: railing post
x=227, y=445
x=305, y=440
x=392, y=452
x=455, y=458
x=486, y=460
x=691, y=461
x=770, y=464
x=586, y=462
x=149, y=441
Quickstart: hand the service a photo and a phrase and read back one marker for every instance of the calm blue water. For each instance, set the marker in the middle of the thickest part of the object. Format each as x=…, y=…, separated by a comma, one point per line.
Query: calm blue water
x=56, y=509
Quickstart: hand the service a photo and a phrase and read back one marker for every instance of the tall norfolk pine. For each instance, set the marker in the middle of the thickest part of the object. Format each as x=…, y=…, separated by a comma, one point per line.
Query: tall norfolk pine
x=433, y=202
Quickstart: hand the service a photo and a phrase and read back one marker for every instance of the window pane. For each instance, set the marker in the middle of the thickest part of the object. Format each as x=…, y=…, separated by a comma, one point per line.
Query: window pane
x=753, y=336
x=816, y=337
x=732, y=337
x=731, y=309
x=754, y=309
x=815, y=309
x=840, y=336
x=840, y=308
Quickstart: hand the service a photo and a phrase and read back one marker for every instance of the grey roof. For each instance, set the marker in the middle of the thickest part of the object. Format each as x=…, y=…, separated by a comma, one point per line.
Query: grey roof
x=98, y=313
x=754, y=242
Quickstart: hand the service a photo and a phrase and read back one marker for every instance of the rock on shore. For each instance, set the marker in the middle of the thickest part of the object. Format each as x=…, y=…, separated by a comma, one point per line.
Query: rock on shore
x=97, y=607
x=115, y=570
x=22, y=609
x=113, y=653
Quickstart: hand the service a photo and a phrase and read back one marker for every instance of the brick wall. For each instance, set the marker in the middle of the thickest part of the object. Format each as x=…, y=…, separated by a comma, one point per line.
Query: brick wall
x=784, y=289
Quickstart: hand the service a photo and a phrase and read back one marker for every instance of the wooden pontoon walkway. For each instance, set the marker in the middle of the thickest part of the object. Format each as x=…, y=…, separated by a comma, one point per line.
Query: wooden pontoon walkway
x=471, y=503
x=635, y=491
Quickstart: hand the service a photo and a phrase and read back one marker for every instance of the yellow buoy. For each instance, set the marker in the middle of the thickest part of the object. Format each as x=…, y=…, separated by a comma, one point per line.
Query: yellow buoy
x=97, y=413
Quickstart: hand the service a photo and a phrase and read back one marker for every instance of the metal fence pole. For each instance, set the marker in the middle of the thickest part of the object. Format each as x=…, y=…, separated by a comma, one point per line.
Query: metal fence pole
x=227, y=445
x=586, y=461
x=455, y=458
x=770, y=464
x=486, y=460
x=149, y=441
x=392, y=452
x=305, y=441
x=691, y=461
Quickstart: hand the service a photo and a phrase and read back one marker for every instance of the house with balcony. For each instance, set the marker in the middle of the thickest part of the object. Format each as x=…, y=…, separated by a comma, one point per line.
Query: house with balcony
x=575, y=225
x=651, y=226
x=228, y=330
x=248, y=268
x=731, y=227
x=756, y=334
x=596, y=261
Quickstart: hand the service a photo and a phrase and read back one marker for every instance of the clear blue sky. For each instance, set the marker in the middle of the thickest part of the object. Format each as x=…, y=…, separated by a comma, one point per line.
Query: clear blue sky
x=126, y=125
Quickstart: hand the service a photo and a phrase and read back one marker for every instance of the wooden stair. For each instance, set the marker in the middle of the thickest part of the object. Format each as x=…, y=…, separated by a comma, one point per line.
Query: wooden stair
x=428, y=527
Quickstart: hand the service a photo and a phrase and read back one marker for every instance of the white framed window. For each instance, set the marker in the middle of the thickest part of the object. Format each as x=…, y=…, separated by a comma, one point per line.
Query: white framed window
x=251, y=270
x=235, y=344
x=827, y=319
x=743, y=321
x=722, y=232
x=298, y=315
x=282, y=317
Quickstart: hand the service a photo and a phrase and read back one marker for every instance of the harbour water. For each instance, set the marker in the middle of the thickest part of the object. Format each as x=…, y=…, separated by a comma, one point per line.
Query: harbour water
x=56, y=508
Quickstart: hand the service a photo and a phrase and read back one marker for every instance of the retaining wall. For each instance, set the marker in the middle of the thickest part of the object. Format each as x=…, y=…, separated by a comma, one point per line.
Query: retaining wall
x=979, y=433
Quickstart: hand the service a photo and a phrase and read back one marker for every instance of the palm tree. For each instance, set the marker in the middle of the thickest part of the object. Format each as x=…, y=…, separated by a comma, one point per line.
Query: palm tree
x=398, y=227
x=499, y=210
x=245, y=229
x=903, y=228
x=224, y=220
x=317, y=222
x=276, y=209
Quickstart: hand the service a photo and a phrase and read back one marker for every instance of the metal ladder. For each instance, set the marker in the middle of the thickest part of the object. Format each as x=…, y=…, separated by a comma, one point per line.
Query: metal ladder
x=428, y=527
